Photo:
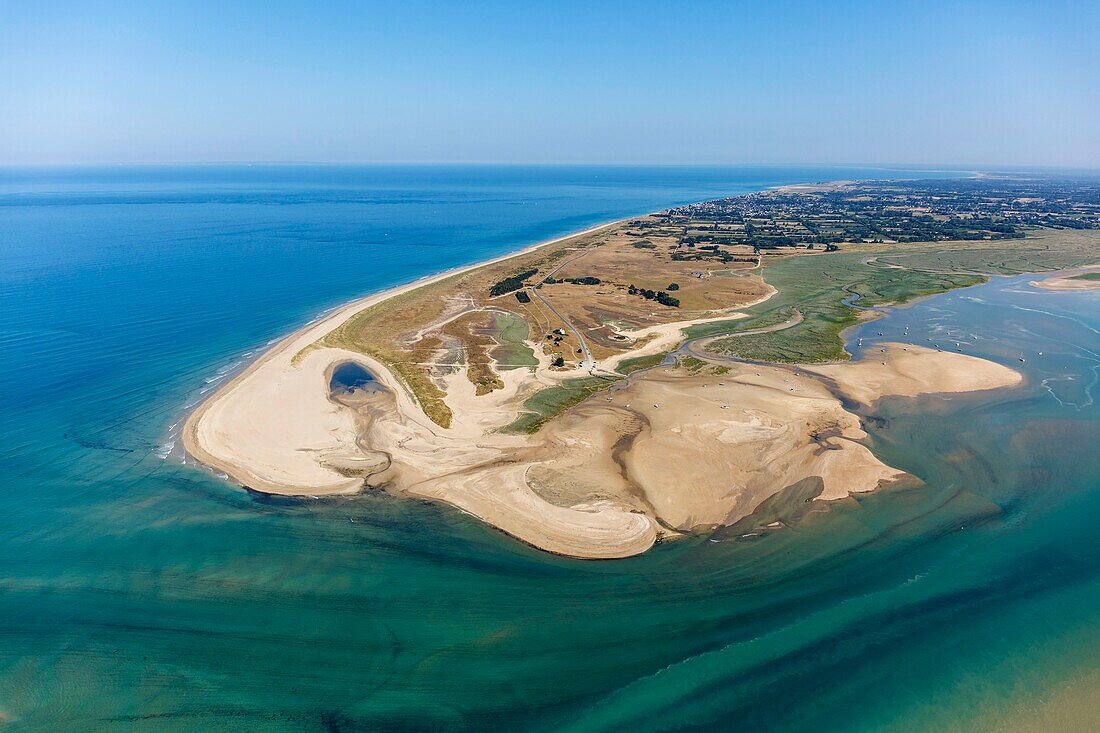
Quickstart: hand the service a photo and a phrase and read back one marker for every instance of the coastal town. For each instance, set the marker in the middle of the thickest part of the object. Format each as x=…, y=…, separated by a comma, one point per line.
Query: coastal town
x=817, y=216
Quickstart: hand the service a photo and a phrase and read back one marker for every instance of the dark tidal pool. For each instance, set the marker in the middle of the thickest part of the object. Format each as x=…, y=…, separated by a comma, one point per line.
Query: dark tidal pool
x=350, y=376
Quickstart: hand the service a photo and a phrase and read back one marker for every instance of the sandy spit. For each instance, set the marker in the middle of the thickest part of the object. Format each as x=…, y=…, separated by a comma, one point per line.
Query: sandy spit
x=272, y=389
x=666, y=452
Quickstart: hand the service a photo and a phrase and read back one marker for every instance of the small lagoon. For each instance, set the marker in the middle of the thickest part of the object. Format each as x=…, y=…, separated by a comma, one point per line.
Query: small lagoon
x=350, y=376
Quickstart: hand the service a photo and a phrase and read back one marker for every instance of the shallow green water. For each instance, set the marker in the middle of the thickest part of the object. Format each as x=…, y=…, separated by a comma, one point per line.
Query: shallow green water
x=141, y=594
x=902, y=610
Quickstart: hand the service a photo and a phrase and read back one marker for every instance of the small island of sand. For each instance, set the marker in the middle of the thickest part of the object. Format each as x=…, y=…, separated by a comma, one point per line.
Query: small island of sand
x=1076, y=280
x=568, y=395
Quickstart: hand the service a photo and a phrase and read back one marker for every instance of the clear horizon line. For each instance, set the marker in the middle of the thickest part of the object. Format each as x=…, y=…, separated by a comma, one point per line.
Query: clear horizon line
x=932, y=167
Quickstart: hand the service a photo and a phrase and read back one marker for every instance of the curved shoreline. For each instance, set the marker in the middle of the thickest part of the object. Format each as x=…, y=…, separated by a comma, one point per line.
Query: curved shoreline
x=1070, y=281
x=576, y=488
x=326, y=323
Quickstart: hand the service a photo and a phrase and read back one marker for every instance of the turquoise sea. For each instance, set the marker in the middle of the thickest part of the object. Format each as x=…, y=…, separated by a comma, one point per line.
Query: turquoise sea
x=138, y=593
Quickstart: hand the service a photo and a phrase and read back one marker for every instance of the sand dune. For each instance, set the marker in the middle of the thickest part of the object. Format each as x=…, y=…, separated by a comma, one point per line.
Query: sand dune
x=660, y=453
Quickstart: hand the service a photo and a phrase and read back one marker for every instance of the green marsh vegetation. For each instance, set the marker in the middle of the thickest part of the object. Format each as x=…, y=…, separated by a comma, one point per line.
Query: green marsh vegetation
x=546, y=403
x=818, y=287
x=626, y=366
x=692, y=364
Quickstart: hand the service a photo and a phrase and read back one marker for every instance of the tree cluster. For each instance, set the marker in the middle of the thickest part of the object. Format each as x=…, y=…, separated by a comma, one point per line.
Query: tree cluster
x=658, y=295
x=510, y=283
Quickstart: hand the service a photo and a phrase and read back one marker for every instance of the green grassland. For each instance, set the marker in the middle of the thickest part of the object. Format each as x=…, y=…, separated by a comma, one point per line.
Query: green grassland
x=510, y=332
x=884, y=274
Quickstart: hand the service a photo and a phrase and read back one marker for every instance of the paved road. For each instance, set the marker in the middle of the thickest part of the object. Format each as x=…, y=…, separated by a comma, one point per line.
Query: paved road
x=587, y=363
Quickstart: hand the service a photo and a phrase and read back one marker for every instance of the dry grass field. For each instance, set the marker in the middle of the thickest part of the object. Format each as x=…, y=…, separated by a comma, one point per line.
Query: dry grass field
x=583, y=299
x=427, y=333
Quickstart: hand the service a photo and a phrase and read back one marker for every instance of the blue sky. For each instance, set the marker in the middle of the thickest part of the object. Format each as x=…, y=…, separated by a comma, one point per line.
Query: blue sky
x=1007, y=83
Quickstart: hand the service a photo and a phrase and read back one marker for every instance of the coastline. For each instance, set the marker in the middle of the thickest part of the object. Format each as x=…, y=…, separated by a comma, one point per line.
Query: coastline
x=326, y=322
x=569, y=490
x=349, y=308
x=150, y=589
x=1071, y=281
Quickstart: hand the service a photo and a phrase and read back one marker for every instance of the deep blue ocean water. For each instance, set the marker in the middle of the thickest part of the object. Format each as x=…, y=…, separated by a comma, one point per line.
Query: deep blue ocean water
x=137, y=593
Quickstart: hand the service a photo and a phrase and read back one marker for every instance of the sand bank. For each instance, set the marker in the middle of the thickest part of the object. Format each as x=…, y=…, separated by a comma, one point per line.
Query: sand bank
x=906, y=370
x=1071, y=280
x=670, y=451
x=664, y=452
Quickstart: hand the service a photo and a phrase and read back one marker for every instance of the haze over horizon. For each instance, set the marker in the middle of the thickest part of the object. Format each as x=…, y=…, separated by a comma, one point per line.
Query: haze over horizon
x=1009, y=84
